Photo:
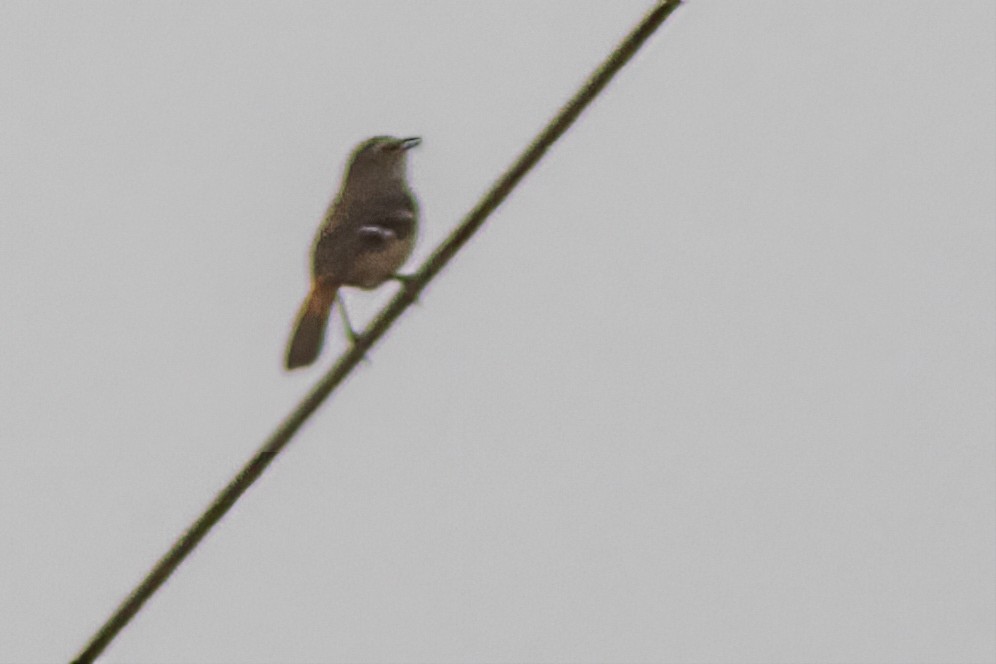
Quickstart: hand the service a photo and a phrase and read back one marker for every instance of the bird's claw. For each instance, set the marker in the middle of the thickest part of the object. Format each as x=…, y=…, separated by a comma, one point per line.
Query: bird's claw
x=354, y=340
x=408, y=282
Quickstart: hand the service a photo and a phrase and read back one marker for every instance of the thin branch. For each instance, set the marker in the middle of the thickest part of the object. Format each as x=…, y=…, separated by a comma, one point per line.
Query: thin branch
x=404, y=299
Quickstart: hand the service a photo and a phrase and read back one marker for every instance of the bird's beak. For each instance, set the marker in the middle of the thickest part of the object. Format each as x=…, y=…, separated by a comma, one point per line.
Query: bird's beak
x=409, y=143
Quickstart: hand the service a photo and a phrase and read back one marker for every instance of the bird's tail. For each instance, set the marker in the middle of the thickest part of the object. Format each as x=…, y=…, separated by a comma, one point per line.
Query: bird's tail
x=309, y=331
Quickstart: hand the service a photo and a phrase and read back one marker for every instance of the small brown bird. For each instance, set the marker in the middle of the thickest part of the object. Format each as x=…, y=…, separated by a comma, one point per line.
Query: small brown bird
x=367, y=234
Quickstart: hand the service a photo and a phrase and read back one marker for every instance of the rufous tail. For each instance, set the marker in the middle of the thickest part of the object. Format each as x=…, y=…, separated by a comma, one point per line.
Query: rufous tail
x=309, y=332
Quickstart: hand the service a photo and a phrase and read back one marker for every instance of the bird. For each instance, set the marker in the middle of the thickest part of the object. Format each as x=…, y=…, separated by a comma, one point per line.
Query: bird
x=367, y=234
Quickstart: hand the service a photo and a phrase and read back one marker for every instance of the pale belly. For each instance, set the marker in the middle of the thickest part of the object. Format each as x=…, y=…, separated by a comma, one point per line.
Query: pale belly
x=372, y=268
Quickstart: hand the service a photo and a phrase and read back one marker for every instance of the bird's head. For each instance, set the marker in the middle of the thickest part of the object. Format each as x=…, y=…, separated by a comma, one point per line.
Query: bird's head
x=382, y=157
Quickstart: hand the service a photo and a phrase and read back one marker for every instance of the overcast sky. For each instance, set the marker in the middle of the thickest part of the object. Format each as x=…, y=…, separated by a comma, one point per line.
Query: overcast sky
x=716, y=384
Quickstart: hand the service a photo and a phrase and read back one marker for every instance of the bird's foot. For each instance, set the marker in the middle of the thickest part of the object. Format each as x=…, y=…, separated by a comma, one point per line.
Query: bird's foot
x=409, y=282
x=354, y=341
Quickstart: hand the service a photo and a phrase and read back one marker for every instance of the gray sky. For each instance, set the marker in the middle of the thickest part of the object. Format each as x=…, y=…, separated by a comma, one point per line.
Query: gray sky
x=716, y=384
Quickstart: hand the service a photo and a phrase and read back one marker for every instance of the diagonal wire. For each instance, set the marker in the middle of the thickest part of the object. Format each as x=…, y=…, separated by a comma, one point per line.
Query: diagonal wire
x=404, y=299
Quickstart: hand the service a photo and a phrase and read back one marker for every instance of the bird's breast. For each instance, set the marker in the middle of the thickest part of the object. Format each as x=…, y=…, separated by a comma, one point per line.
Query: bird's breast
x=375, y=264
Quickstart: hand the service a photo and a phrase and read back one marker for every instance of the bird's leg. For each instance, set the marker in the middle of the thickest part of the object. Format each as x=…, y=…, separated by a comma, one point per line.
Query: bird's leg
x=350, y=332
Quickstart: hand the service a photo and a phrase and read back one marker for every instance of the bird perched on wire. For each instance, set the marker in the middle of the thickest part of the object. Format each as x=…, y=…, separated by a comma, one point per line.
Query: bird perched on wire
x=367, y=234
